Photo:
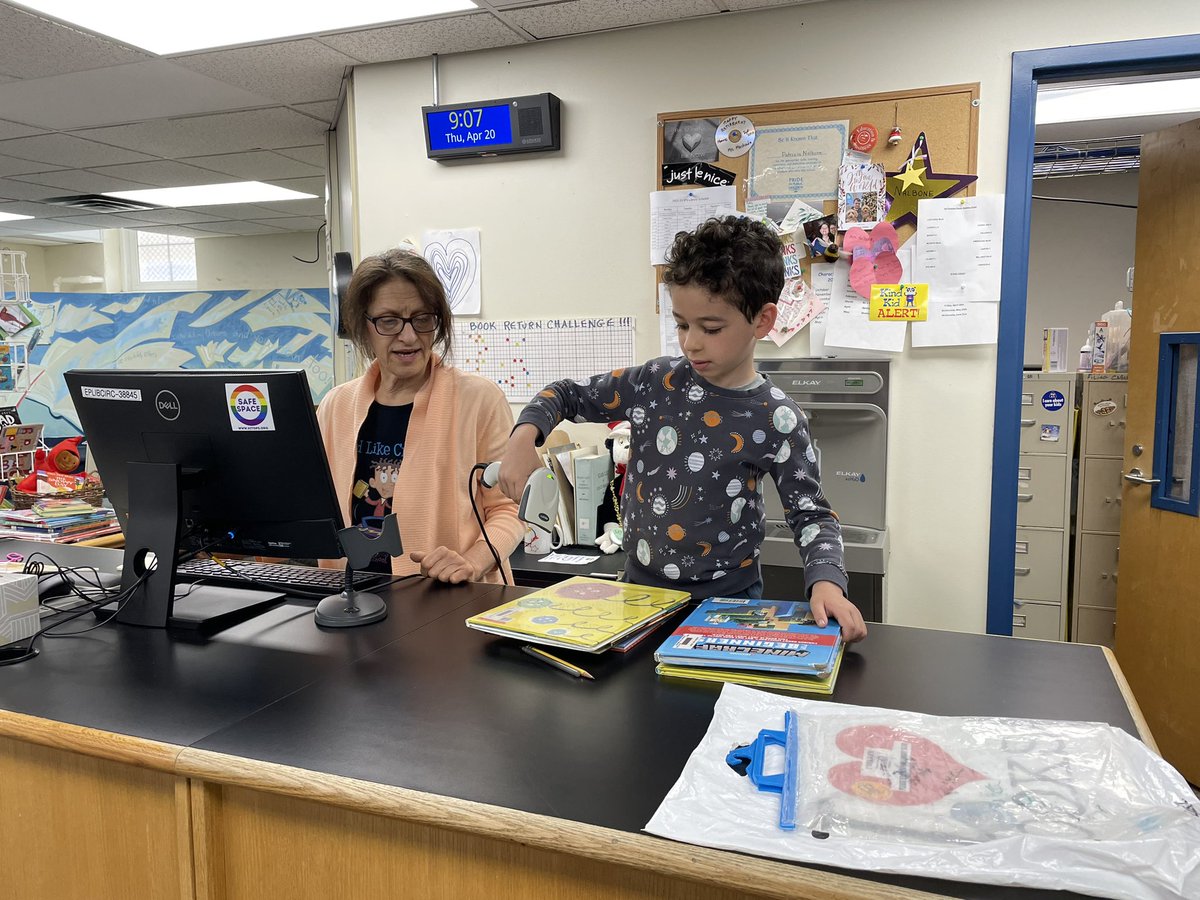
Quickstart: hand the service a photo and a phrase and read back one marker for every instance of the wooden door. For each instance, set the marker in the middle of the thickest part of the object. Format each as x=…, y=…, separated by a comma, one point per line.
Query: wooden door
x=1158, y=588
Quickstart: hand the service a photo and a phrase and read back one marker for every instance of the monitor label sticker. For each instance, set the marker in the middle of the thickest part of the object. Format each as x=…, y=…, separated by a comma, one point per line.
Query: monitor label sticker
x=249, y=407
x=111, y=393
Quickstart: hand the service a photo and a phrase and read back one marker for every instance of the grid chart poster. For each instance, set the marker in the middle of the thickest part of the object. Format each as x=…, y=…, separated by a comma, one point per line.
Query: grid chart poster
x=522, y=356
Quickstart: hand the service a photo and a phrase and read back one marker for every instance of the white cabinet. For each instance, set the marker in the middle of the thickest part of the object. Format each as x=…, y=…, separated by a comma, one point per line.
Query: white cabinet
x=1098, y=516
x=1044, y=480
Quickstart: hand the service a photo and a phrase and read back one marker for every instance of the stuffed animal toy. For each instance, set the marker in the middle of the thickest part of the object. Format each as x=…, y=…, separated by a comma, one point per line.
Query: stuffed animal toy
x=63, y=458
x=610, y=540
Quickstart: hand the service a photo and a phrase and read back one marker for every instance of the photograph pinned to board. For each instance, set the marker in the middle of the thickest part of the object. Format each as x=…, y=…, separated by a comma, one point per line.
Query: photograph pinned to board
x=822, y=237
x=798, y=305
x=797, y=162
x=453, y=254
x=862, y=193
x=690, y=141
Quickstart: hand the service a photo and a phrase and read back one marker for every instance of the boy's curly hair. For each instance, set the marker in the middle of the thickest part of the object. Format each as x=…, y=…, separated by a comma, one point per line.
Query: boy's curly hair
x=736, y=258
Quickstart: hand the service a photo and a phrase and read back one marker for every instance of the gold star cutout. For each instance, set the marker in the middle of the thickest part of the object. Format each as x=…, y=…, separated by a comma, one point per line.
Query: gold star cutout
x=904, y=200
x=911, y=175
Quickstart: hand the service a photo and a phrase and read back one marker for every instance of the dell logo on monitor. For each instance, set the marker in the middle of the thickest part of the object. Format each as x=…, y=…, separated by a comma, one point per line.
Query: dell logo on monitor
x=167, y=405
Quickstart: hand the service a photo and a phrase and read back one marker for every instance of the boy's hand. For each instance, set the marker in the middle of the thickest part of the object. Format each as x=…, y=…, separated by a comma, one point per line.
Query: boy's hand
x=519, y=461
x=444, y=564
x=827, y=601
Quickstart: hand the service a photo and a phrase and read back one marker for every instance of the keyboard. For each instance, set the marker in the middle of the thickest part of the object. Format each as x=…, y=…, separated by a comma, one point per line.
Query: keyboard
x=281, y=576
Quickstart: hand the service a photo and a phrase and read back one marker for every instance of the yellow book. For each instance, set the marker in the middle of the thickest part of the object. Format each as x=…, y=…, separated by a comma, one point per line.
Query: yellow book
x=580, y=613
x=806, y=684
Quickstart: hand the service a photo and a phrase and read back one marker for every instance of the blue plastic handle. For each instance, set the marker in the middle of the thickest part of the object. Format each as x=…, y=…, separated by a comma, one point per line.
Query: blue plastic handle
x=785, y=783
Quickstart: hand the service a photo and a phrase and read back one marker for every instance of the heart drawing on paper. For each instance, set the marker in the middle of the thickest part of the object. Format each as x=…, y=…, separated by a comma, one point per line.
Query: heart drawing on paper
x=897, y=768
x=455, y=265
x=692, y=140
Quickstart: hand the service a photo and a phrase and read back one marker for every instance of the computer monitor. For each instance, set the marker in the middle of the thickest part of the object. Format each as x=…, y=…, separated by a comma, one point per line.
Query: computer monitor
x=204, y=459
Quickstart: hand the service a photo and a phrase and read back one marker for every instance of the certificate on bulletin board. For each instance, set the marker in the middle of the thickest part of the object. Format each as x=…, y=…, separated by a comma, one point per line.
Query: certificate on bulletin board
x=798, y=162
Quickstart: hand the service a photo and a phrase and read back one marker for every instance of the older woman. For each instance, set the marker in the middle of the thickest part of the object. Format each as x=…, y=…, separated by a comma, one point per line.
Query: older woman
x=402, y=438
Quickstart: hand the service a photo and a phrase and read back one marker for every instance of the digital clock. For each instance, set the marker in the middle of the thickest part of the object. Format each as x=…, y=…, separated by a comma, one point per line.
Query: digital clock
x=492, y=127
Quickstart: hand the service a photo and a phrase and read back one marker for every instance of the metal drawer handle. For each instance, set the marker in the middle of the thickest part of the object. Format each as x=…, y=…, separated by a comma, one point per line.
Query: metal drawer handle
x=1021, y=570
x=1018, y=621
x=1025, y=423
x=1024, y=498
x=1116, y=500
x=1137, y=477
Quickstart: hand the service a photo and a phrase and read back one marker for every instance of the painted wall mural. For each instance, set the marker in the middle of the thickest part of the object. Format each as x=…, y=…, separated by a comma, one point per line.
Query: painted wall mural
x=284, y=328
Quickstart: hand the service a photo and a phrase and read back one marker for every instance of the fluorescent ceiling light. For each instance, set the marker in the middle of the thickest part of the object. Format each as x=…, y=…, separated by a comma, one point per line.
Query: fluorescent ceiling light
x=181, y=27
x=6, y=217
x=1118, y=101
x=212, y=194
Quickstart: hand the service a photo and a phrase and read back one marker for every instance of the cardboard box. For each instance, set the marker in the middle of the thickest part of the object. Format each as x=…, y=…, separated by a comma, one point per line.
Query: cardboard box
x=19, y=615
x=1054, y=349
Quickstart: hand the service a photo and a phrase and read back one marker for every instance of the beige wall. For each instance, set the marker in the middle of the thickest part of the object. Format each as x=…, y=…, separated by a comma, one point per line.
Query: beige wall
x=261, y=261
x=1078, y=254
x=568, y=233
x=74, y=260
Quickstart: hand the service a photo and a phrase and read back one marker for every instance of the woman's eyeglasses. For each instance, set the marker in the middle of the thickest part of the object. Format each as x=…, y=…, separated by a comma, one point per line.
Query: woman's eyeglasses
x=387, y=326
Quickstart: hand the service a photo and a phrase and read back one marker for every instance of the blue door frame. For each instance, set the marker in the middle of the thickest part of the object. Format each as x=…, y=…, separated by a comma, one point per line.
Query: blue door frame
x=1029, y=68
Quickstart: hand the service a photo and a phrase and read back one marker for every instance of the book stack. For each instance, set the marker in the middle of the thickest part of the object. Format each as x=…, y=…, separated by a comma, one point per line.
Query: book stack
x=588, y=614
x=60, y=521
x=761, y=643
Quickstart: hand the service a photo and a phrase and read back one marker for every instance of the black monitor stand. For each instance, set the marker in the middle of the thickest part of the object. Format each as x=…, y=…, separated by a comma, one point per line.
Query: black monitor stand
x=151, y=549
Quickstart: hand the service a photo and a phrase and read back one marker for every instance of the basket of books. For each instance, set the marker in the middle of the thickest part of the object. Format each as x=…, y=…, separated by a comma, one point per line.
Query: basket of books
x=90, y=493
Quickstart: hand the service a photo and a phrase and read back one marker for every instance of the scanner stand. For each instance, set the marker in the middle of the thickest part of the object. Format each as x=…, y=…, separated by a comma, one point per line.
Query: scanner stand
x=351, y=607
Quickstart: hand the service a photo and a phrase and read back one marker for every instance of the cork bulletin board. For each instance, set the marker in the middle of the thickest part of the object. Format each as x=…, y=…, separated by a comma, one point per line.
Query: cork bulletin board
x=948, y=116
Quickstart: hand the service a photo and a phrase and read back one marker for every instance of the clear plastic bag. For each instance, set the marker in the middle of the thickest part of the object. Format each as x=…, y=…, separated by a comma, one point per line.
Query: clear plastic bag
x=1062, y=805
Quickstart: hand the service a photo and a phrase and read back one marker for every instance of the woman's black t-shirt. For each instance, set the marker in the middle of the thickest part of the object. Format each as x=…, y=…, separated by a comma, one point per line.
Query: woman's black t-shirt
x=380, y=452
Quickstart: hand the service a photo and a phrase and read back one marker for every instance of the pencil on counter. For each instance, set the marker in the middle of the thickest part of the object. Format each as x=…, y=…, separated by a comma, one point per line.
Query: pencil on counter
x=552, y=660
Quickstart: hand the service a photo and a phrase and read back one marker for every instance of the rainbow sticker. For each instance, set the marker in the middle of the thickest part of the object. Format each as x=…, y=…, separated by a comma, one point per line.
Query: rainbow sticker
x=249, y=407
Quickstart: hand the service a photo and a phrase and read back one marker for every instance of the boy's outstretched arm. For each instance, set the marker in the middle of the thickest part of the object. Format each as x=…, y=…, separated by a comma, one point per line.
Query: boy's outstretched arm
x=828, y=600
x=519, y=461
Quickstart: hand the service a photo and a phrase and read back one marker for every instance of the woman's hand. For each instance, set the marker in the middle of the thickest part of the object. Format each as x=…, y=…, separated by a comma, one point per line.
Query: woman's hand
x=444, y=564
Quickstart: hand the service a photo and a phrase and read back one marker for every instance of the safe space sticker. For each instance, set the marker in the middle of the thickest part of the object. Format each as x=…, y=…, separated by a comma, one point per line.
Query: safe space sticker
x=249, y=407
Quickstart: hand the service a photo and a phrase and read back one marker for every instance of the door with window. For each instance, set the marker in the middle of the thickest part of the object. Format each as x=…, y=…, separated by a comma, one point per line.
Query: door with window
x=1158, y=585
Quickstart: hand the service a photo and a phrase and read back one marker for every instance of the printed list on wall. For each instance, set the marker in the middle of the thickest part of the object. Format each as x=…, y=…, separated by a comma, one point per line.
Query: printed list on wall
x=524, y=355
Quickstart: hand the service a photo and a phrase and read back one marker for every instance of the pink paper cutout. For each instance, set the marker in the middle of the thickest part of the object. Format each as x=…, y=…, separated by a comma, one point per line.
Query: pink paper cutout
x=874, y=257
x=922, y=773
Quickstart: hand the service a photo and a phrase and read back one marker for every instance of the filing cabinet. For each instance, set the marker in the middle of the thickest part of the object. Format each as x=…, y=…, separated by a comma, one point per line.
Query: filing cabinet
x=1098, y=517
x=1045, y=476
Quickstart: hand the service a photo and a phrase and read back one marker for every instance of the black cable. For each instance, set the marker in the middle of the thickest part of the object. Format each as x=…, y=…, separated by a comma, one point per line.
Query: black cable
x=318, y=256
x=478, y=518
x=1089, y=202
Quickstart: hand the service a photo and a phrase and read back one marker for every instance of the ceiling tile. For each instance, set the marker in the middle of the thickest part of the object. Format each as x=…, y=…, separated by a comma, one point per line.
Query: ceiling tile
x=239, y=228
x=290, y=72
x=313, y=207
x=131, y=93
x=456, y=34
x=314, y=186
x=324, y=110
x=180, y=230
x=35, y=47
x=16, y=129
x=11, y=189
x=742, y=5
x=81, y=181
x=32, y=208
x=240, y=211
x=175, y=216
x=256, y=165
x=10, y=165
x=295, y=223
x=582, y=16
x=260, y=129
x=68, y=150
x=163, y=173
x=104, y=220
x=316, y=155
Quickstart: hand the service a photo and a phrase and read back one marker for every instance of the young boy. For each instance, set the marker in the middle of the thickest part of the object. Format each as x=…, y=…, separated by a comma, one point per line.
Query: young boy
x=706, y=429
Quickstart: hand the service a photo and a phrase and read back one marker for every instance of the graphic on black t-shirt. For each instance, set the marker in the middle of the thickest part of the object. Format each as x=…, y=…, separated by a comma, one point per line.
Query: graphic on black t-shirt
x=380, y=453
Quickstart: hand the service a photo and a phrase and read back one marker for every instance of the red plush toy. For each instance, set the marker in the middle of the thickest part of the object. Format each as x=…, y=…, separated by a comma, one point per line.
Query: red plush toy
x=63, y=457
